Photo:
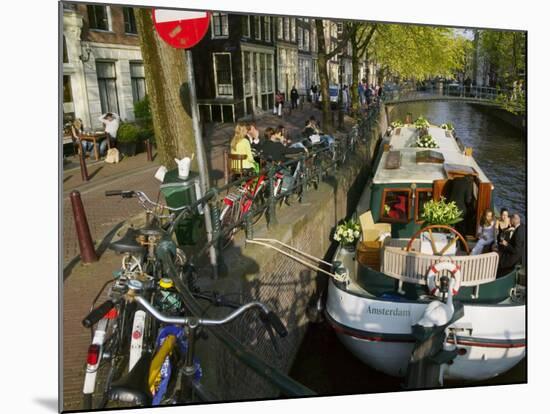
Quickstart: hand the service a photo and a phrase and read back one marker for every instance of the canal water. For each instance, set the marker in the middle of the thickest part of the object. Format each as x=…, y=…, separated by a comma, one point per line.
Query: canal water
x=322, y=362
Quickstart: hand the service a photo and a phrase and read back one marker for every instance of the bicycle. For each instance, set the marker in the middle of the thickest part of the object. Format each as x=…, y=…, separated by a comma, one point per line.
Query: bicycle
x=240, y=202
x=121, y=334
x=152, y=380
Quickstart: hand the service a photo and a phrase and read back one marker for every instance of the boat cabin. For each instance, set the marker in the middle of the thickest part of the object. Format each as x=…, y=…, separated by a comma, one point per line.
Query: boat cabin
x=406, y=176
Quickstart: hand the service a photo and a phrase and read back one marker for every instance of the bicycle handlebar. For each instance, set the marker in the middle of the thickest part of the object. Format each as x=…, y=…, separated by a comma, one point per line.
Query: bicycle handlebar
x=199, y=321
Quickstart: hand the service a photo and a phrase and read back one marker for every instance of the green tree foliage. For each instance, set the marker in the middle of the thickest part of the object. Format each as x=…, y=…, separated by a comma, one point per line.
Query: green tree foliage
x=505, y=53
x=418, y=52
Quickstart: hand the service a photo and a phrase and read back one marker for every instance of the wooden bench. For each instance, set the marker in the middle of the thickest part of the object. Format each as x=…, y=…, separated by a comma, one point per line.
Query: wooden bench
x=412, y=267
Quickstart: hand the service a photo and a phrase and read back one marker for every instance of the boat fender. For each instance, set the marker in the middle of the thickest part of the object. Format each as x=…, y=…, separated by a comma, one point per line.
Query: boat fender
x=437, y=268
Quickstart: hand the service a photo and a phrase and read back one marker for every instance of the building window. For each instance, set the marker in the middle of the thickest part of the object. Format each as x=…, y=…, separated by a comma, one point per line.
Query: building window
x=395, y=205
x=98, y=17
x=257, y=28
x=314, y=39
x=68, y=106
x=293, y=29
x=300, y=38
x=137, y=75
x=340, y=27
x=220, y=26
x=245, y=20
x=306, y=40
x=65, y=54
x=106, y=79
x=287, y=28
x=222, y=71
x=247, y=74
x=263, y=73
x=279, y=27
x=267, y=29
x=129, y=20
x=269, y=73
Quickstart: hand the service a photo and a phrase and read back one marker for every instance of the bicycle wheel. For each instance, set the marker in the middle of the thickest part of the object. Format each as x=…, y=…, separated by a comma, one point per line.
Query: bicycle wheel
x=228, y=219
x=259, y=204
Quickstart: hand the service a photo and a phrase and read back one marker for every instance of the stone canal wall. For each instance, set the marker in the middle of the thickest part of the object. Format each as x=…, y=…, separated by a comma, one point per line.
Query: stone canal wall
x=258, y=273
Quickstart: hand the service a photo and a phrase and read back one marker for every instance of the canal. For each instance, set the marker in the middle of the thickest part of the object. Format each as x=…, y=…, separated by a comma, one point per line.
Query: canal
x=322, y=362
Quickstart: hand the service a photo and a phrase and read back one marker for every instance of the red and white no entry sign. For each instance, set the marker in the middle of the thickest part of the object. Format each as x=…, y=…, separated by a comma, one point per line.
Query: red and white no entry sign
x=181, y=29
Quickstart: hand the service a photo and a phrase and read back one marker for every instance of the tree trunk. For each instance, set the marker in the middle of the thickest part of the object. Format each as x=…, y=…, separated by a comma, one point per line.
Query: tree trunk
x=165, y=73
x=355, y=103
x=323, y=77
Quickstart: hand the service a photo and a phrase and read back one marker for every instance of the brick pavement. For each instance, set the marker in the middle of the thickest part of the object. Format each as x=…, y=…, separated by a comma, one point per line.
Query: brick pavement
x=84, y=281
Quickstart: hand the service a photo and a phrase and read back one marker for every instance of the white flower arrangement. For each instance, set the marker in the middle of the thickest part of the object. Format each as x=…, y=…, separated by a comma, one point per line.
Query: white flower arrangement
x=348, y=232
x=448, y=126
x=426, y=141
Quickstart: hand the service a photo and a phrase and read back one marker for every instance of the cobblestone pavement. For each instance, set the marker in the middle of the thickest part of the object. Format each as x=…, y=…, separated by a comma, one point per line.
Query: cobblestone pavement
x=83, y=282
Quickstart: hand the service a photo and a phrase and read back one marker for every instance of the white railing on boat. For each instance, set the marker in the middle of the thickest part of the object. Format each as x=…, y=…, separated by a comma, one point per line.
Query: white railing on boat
x=412, y=267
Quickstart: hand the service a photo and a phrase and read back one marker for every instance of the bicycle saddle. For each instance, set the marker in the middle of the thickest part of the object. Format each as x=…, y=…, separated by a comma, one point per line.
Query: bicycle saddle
x=128, y=243
x=133, y=387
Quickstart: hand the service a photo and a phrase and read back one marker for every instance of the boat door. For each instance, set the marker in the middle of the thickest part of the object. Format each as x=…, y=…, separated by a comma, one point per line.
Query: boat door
x=482, y=192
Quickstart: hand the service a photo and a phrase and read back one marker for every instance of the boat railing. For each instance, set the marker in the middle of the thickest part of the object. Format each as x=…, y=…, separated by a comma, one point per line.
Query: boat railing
x=412, y=267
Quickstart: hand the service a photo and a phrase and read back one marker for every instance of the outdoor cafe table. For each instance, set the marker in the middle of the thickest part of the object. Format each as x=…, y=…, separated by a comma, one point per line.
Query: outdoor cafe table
x=95, y=137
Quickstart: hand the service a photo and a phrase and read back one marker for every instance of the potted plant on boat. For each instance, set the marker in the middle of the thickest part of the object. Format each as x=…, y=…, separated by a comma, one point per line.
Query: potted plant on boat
x=127, y=137
x=448, y=126
x=397, y=125
x=441, y=215
x=347, y=234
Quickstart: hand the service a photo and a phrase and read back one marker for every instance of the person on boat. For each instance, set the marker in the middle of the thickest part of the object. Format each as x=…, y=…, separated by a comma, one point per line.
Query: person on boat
x=462, y=193
x=503, y=228
x=485, y=232
x=241, y=145
x=511, y=252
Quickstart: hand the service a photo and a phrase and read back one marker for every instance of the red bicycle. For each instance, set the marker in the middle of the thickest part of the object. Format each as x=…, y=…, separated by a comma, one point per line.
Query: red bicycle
x=239, y=202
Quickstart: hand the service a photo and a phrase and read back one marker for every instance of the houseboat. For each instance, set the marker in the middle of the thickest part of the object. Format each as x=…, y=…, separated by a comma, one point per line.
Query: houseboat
x=392, y=282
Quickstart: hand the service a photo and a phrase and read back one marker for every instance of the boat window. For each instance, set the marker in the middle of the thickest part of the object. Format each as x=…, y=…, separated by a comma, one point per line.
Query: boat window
x=422, y=196
x=396, y=205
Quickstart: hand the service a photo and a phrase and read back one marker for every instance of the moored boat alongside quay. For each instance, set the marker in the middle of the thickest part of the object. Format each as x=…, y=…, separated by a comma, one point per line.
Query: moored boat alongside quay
x=387, y=294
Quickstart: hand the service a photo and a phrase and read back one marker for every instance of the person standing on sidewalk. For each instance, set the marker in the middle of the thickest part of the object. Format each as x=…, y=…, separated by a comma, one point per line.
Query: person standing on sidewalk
x=294, y=97
x=111, y=122
x=361, y=91
x=279, y=102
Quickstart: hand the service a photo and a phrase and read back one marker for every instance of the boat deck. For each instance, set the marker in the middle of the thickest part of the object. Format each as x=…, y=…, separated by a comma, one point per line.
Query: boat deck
x=411, y=171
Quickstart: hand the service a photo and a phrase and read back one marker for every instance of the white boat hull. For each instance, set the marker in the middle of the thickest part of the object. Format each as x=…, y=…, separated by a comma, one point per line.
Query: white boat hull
x=378, y=332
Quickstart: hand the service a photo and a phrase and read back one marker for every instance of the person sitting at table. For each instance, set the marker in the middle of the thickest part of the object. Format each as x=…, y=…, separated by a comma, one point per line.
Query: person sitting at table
x=253, y=136
x=312, y=128
x=274, y=149
x=111, y=121
x=241, y=145
x=77, y=128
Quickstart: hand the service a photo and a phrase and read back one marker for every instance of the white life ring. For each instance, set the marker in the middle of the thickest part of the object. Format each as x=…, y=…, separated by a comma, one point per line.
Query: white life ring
x=438, y=267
